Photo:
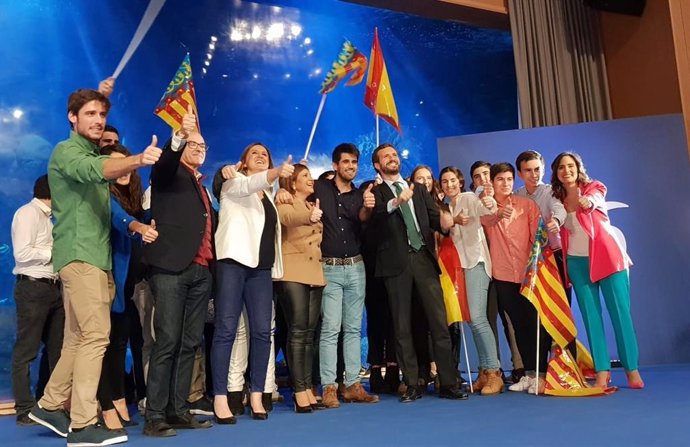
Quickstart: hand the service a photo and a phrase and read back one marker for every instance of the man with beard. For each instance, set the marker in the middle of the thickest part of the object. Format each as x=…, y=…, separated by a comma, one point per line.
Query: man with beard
x=406, y=218
x=344, y=209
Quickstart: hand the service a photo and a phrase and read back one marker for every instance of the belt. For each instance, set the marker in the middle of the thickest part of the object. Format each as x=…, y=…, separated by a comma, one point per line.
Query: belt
x=342, y=261
x=54, y=282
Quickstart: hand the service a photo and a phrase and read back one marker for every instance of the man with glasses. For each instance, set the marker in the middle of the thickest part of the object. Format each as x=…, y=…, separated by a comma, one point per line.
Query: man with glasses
x=180, y=278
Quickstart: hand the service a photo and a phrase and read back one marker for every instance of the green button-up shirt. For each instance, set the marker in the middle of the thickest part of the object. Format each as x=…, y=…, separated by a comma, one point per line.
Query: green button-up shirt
x=81, y=204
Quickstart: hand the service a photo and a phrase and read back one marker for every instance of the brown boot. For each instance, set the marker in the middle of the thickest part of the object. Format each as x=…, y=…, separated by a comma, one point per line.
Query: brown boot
x=357, y=393
x=330, y=397
x=482, y=378
x=494, y=382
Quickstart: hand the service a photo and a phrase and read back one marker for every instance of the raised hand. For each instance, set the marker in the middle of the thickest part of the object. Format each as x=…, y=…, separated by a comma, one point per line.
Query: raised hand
x=406, y=194
x=506, y=212
x=368, y=197
x=461, y=218
x=230, y=171
x=316, y=212
x=488, y=189
x=106, y=86
x=283, y=197
x=488, y=202
x=286, y=169
x=583, y=200
x=151, y=154
x=552, y=225
x=188, y=123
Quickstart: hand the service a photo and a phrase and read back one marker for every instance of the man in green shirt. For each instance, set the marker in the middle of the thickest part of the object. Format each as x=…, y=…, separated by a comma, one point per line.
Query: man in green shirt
x=78, y=178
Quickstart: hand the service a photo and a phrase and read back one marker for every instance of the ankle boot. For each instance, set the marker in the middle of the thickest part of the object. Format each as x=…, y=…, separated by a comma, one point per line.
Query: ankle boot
x=493, y=384
x=481, y=381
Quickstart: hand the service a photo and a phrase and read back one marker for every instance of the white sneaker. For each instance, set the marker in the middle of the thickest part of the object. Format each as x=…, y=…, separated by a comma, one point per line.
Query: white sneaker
x=523, y=385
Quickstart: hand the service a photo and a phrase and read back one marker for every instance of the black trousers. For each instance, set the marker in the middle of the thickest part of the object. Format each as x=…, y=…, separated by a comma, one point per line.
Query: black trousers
x=40, y=319
x=301, y=305
x=523, y=316
x=380, y=334
x=420, y=278
x=112, y=384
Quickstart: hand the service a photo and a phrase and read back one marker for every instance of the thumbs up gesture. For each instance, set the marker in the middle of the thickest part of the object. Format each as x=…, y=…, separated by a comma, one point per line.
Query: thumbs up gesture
x=286, y=169
x=368, y=197
x=188, y=123
x=583, y=200
x=230, y=171
x=406, y=195
x=316, y=212
x=462, y=218
x=506, y=211
x=151, y=154
x=552, y=225
x=488, y=189
x=149, y=233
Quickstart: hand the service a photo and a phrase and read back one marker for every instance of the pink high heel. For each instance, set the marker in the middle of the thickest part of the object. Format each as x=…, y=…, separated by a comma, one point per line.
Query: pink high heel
x=635, y=382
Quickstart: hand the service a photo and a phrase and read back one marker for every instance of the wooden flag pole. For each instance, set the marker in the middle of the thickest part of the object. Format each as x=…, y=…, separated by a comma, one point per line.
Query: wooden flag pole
x=467, y=358
x=316, y=122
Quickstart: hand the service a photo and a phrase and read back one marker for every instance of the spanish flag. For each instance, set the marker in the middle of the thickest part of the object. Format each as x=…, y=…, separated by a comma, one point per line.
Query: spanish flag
x=453, y=282
x=378, y=95
x=179, y=94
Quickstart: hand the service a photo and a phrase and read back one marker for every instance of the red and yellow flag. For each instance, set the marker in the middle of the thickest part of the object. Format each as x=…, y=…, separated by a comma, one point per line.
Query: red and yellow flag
x=542, y=286
x=378, y=95
x=179, y=94
x=565, y=379
x=350, y=60
x=453, y=282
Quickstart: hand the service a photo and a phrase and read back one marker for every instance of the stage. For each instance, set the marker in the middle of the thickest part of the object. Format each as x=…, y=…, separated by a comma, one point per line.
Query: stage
x=657, y=415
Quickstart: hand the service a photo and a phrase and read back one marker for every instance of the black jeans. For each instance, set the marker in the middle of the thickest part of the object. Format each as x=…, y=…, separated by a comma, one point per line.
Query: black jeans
x=40, y=318
x=301, y=304
x=379, y=321
x=112, y=384
x=181, y=302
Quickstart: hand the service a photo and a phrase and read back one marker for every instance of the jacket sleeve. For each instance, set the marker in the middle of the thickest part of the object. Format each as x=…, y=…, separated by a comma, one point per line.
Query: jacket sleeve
x=119, y=219
x=290, y=216
x=595, y=191
x=163, y=172
x=242, y=186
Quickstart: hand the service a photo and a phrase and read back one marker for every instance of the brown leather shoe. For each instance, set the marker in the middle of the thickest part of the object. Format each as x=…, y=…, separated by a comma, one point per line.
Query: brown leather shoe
x=330, y=397
x=341, y=390
x=482, y=378
x=357, y=393
x=494, y=383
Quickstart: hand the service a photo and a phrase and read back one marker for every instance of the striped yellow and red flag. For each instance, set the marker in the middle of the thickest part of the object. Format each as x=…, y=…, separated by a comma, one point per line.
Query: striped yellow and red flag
x=542, y=286
x=350, y=60
x=453, y=282
x=378, y=95
x=178, y=96
x=565, y=379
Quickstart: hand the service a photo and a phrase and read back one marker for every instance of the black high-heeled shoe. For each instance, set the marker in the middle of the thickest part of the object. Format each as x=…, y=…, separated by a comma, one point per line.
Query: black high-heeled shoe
x=305, y=409
x=232, y=420
x=258, y=416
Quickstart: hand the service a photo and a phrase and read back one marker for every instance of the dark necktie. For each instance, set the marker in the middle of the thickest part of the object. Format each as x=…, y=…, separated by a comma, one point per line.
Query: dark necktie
x=412, y=233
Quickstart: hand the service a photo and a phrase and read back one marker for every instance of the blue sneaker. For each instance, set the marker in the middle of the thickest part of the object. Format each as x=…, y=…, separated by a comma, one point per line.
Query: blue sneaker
x=56, y=420
x=95, y=435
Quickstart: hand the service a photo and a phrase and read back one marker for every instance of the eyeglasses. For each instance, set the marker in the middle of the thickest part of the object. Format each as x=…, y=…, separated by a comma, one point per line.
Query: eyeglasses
x=195, y=145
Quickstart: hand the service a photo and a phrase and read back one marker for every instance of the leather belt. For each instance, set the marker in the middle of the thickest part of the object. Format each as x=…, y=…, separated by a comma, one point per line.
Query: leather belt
x=342, y=261
x=52, y=282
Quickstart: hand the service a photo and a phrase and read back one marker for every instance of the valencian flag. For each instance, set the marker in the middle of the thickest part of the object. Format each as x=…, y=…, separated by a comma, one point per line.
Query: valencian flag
x=378, y=95
x=564, y=377
x=350, y=60
x=542, y=286
x=453, y=282
x=178, y=96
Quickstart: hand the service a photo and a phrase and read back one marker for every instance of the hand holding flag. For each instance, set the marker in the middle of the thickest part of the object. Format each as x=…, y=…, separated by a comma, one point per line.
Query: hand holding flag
x=178, y=97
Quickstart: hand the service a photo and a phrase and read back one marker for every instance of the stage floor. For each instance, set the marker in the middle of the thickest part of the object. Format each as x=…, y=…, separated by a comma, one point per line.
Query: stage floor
x=657, y=415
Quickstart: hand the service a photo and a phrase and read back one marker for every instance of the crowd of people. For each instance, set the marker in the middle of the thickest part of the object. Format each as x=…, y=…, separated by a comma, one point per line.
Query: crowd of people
x=206, y=298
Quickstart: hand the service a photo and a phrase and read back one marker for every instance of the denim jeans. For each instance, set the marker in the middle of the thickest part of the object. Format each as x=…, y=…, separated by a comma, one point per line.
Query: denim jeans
x=477, y=284
x=342, y=305
x=181, y=302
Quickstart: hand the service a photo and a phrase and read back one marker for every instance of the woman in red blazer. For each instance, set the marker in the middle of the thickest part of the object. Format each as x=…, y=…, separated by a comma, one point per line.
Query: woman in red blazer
x=596, y=260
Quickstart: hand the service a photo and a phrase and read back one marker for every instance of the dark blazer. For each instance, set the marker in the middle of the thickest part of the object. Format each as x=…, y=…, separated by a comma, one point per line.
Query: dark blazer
x=393, y=244
x=179, y=212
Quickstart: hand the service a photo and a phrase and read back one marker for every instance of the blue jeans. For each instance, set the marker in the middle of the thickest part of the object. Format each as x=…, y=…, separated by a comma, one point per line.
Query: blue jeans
x=342, y=305
x=181, y=303
x=238, y=285
x=477, y=284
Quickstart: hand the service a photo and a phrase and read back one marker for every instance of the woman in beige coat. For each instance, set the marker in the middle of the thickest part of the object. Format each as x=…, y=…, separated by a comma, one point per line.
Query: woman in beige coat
x=302, y=284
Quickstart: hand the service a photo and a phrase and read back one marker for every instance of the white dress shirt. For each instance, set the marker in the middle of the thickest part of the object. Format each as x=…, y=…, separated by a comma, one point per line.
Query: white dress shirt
x=470, y=239
x=32, y=241
x=391, y=207
x=549, y=206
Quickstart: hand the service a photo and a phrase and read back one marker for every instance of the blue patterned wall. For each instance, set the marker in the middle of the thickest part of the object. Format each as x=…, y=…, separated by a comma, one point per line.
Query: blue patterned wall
x=448, y=79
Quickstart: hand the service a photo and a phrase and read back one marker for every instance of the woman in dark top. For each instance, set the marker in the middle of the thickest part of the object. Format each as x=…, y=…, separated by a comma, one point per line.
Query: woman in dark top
x=249, y=258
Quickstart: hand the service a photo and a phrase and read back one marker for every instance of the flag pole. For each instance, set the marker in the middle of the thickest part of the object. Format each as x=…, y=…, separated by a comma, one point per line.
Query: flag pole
x=377, y=130
x=313, y=127
x=150, y=15
x=536, y=388
x=467, y=358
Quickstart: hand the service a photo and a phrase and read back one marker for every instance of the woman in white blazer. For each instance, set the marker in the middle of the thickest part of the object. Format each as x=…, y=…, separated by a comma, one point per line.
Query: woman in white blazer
x=473, y=250
x=248, y=250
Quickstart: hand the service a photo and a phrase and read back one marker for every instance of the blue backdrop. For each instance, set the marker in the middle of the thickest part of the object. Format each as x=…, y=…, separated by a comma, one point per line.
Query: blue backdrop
x=261, y=83
x=644, y=164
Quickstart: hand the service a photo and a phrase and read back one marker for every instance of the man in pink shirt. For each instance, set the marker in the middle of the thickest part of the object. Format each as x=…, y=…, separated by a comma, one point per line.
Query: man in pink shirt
x=511, y=234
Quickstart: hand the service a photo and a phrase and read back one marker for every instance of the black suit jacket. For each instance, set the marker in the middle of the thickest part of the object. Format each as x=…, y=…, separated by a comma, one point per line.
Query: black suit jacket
x=393, y=244
x=179, y=212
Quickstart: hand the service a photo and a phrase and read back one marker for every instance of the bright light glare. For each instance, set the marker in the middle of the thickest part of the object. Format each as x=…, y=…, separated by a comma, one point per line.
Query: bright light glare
x=236, y=35
x=256, y=32
x=17, y=113
x=275, y=31
x=295, y=30
x=307, y=40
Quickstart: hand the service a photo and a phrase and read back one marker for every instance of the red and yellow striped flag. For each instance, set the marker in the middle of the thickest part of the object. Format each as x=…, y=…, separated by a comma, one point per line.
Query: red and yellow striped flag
x=378, y=95
x=542, y=286
x=178, y=96
x=565, y=379
x=453, y=282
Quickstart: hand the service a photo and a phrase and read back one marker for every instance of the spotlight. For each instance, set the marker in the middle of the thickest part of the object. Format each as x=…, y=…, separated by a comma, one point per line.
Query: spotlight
x=275, y=31
x=256, y=32
x=295, y=30
x=17, y=113
x=214, y=39
x=307, y=40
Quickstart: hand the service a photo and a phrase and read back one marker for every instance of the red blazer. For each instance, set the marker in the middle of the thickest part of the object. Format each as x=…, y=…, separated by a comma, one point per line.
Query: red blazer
x=606, y=254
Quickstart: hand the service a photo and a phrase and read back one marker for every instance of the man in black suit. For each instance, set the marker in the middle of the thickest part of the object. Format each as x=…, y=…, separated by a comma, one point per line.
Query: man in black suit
x=406, y=218
x=180, y=278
